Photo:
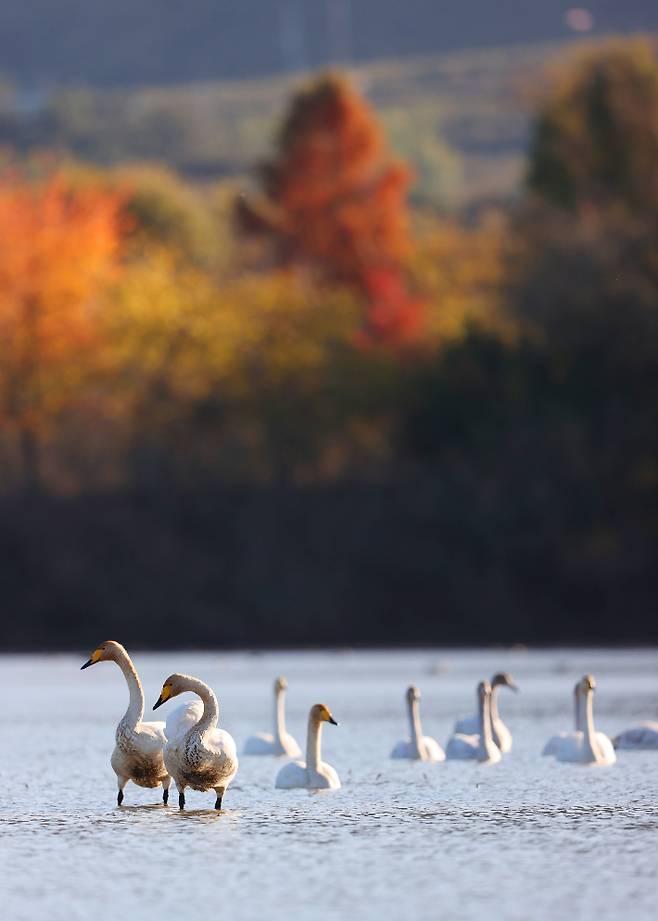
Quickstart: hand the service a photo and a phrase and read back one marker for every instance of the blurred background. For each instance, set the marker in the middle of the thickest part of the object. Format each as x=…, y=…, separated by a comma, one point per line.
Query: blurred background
x=328, y=322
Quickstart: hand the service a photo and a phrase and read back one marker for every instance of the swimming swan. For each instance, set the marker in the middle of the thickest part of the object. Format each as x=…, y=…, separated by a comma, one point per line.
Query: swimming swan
x=468, y=725
x=280, y=742
x=314, y=774
x=641, y=737
x=137, y=754
x=419, y=747
x=197, y=754
x=586, y=746
x=480, y=746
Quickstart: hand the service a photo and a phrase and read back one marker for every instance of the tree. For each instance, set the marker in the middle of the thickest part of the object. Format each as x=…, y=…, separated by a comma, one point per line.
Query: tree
x=596, y=138
x=334, y=201
x=59, y=248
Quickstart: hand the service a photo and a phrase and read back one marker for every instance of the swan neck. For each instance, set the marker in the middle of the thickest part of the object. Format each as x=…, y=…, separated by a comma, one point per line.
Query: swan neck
x=210, y=713
x=484, y=711
x=415, y=727
x=587, y=716
x=280, y=715
x=577, y=715
x=493, y=704
x=135, y=712
x=313, y=743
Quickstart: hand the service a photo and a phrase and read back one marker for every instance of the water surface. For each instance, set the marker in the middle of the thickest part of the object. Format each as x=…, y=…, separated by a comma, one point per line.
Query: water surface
x=527, y=839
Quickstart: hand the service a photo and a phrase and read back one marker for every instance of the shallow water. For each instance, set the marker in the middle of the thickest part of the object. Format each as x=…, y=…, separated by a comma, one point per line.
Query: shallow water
x=527, y=839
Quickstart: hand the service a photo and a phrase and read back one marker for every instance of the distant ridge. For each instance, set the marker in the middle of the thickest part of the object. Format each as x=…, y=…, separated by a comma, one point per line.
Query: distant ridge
x=137, y=42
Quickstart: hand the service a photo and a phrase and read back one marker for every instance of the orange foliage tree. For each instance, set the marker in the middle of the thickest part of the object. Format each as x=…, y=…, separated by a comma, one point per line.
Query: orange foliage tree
x=59, y=247
x=334, y=200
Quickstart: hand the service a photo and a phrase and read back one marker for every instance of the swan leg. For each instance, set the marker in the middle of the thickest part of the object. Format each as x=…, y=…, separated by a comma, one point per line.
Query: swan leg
x=220, y=791
x=181, y=797
x=121, y=782
x=165, y=790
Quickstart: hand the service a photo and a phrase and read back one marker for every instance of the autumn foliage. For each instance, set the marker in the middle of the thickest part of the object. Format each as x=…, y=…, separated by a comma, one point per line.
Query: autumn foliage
x=59, y=249
x=334, y=201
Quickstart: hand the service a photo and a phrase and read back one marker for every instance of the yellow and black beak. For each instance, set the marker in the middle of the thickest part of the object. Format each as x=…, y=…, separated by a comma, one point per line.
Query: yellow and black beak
x=165, y=694
x=332, y=721
x=94, y=658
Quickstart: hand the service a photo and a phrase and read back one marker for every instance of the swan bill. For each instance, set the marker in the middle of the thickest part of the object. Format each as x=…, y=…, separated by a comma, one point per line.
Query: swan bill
x=165, y=694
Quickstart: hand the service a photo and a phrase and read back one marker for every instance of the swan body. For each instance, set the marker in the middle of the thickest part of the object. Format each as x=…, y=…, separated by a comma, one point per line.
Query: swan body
x=197, y=754
x=314, y=773
x=279, y=742
x=418, y=747
x=138, y=750
x=469, y=725
x=585, y=745
x=642, y=737
x=478, y=746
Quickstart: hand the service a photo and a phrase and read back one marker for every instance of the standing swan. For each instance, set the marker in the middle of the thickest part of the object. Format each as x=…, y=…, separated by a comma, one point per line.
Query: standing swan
x=280, y=742
x=586, y=746
x=480, y=746
x=137, y=755
x=468, y=725
x=197, y=753
x=419, y=747
x=315, y=774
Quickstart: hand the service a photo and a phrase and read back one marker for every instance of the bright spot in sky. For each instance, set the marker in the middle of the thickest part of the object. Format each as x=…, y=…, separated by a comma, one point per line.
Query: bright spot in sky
x=579, y=19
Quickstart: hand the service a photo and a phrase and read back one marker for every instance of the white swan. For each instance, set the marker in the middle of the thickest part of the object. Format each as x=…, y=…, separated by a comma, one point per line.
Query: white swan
x=418, y=747
x=586, y=746
x=468, y=725
x=279, y=742
x=197, y=754
x=138, y=752
x=314, y=774
x=479, y=746
x=643, y=737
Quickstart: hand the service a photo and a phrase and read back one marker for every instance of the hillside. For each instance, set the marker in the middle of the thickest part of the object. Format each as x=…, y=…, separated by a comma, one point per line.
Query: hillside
x=129, y=42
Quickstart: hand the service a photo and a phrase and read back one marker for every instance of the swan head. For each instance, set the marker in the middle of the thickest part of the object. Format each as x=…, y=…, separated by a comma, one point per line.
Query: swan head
x=109, y=651
x=412, y=694
x=173, y=686
x=320, y=713
x=587, y=683
x=484, y=689
x=504, y=679
x=280, y=684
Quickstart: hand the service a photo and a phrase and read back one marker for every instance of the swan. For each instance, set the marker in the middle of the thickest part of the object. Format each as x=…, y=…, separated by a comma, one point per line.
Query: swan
x=419, y=747
x=643, y=736
x=280, y=742
x=197, y=754
x=314, y=774
x=137, y=754
x=468, y=725
x=479, y=746
x=586, y=746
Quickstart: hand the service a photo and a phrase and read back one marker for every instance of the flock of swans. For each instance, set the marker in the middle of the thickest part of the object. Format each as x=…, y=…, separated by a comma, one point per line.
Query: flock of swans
x=191, y=750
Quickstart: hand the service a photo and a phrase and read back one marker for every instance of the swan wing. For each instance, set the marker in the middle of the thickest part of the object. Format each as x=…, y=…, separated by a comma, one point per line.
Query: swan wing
x=555, y=742
x=151, y=736
x=260, y=744
x=433, y=749
x=462, y=747
x=292, y=775
x=644, y=736
x=402, y=750
x=182, y=719
x=606, y=748
x=468, y=725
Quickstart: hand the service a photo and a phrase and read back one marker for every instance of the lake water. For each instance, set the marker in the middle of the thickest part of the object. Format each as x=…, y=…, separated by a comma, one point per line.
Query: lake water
x=527, y=839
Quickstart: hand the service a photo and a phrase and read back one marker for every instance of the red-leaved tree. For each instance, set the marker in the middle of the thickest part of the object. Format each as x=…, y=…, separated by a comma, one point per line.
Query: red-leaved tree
x=334, y=200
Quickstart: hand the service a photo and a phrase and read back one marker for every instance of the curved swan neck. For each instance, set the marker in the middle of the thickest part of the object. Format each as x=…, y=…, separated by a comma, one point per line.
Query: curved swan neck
x=493, y=703
x=280, y=715
x=415, y=727
x=313, y=743
x=210, y=713
x=135, y=712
